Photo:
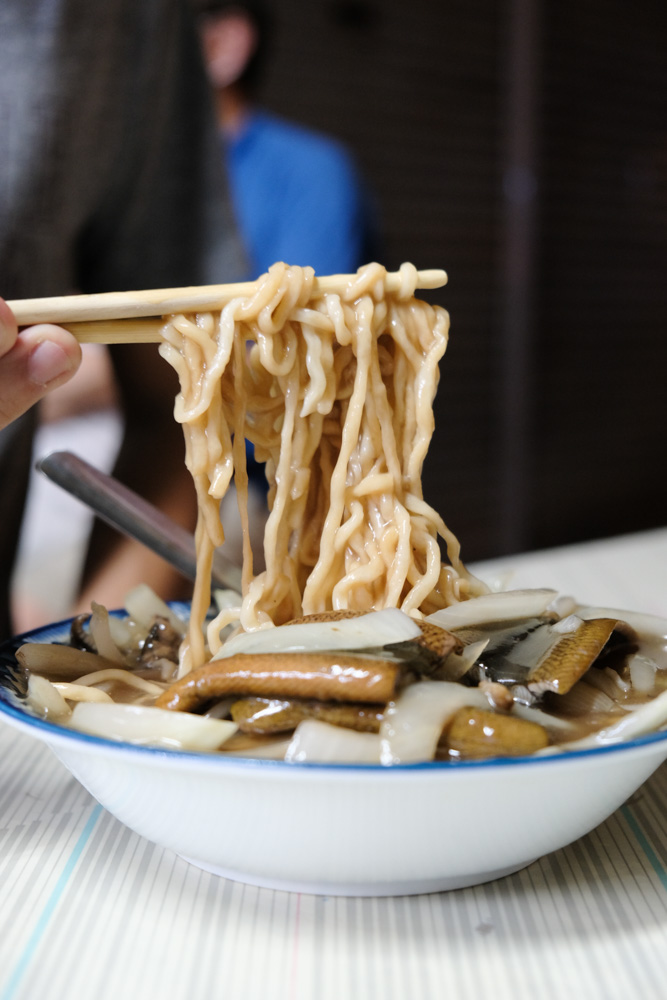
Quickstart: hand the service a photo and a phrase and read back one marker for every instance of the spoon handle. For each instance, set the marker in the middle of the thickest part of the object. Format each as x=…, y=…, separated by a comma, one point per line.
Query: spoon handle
x=131, y=514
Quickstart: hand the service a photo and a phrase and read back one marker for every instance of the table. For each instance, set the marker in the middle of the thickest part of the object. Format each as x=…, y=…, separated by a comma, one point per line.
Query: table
x=89, y=909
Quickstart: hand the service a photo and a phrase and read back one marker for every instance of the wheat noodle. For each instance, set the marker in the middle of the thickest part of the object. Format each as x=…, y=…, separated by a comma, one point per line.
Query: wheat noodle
x=336, y=394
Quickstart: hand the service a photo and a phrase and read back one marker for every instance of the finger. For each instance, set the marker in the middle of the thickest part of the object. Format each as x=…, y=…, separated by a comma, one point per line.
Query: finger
x=8, y=328
x=42, y=358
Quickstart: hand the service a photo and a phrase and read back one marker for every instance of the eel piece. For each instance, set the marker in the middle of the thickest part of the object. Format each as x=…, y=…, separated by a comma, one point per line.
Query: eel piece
x=321, y=676
x=276, y=715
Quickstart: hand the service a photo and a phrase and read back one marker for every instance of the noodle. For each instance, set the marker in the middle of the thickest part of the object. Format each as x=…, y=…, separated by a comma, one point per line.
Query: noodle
x=336, y=394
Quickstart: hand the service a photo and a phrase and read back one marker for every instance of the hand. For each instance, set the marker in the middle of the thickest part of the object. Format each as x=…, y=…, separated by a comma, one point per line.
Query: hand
x=32, y=363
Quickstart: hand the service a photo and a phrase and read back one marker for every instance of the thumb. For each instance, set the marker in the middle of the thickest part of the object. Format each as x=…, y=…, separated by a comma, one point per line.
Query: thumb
x=33, y=362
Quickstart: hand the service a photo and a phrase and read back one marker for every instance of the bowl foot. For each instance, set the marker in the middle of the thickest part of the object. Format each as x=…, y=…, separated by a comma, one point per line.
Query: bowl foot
x=407, y=887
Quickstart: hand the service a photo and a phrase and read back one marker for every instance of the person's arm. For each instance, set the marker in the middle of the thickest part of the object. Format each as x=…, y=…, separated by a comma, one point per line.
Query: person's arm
x=32, y=363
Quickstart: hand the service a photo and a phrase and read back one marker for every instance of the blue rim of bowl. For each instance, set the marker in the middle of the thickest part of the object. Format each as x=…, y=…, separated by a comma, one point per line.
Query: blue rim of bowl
x=42, y=726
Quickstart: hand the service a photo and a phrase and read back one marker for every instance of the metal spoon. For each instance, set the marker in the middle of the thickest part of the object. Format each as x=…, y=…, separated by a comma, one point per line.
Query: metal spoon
x=131, y=514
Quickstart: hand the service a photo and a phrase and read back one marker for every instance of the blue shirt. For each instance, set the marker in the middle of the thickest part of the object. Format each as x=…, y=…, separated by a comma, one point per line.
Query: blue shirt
x=298, y=197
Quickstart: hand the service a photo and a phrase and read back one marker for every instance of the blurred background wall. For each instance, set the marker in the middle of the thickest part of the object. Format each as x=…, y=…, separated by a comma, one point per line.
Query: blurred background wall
x=522, y=146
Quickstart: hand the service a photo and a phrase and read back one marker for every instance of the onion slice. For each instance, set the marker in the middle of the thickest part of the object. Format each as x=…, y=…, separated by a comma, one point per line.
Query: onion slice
x=412, y=724
x=149, y=726
x=508, y=605
x=101, y=635
x=458, y=664
x=45, y=700
x=320, y=742
x=642, y=673
x=370, y=631
x=143, y=605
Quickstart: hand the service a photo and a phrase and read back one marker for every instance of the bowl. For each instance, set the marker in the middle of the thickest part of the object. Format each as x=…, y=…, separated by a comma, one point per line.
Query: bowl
x=349, y=830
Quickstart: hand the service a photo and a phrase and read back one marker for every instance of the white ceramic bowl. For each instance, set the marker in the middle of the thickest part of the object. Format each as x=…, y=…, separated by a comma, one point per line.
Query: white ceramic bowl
x=341, y=829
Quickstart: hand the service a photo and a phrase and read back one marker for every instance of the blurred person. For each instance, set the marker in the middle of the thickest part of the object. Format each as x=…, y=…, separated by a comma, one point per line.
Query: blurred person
x=110, y=179
x=297, y=194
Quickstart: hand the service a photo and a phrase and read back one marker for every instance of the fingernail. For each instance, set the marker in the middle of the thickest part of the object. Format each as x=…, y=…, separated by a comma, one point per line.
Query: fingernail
x=47, y=362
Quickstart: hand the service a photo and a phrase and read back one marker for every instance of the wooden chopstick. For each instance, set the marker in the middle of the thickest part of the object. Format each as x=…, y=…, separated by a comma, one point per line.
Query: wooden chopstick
x=117, y=331
x=135, y=317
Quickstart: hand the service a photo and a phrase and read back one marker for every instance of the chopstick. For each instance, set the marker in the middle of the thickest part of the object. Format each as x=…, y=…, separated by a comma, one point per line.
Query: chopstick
x=129, y=513
x=136, y=317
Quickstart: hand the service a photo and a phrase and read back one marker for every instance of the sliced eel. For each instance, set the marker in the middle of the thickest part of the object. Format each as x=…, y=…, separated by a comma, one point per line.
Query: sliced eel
x=320, y=676
x=274, y=715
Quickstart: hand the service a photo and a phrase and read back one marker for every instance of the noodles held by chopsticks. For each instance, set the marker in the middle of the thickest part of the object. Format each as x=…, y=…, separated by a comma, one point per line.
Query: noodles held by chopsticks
x=336, y=394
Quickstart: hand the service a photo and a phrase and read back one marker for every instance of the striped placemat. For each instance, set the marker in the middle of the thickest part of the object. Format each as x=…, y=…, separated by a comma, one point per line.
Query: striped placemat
x=91, y=910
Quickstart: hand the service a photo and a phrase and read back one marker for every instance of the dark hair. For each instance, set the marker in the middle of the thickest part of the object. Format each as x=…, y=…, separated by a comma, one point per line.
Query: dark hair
x=254, y=10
